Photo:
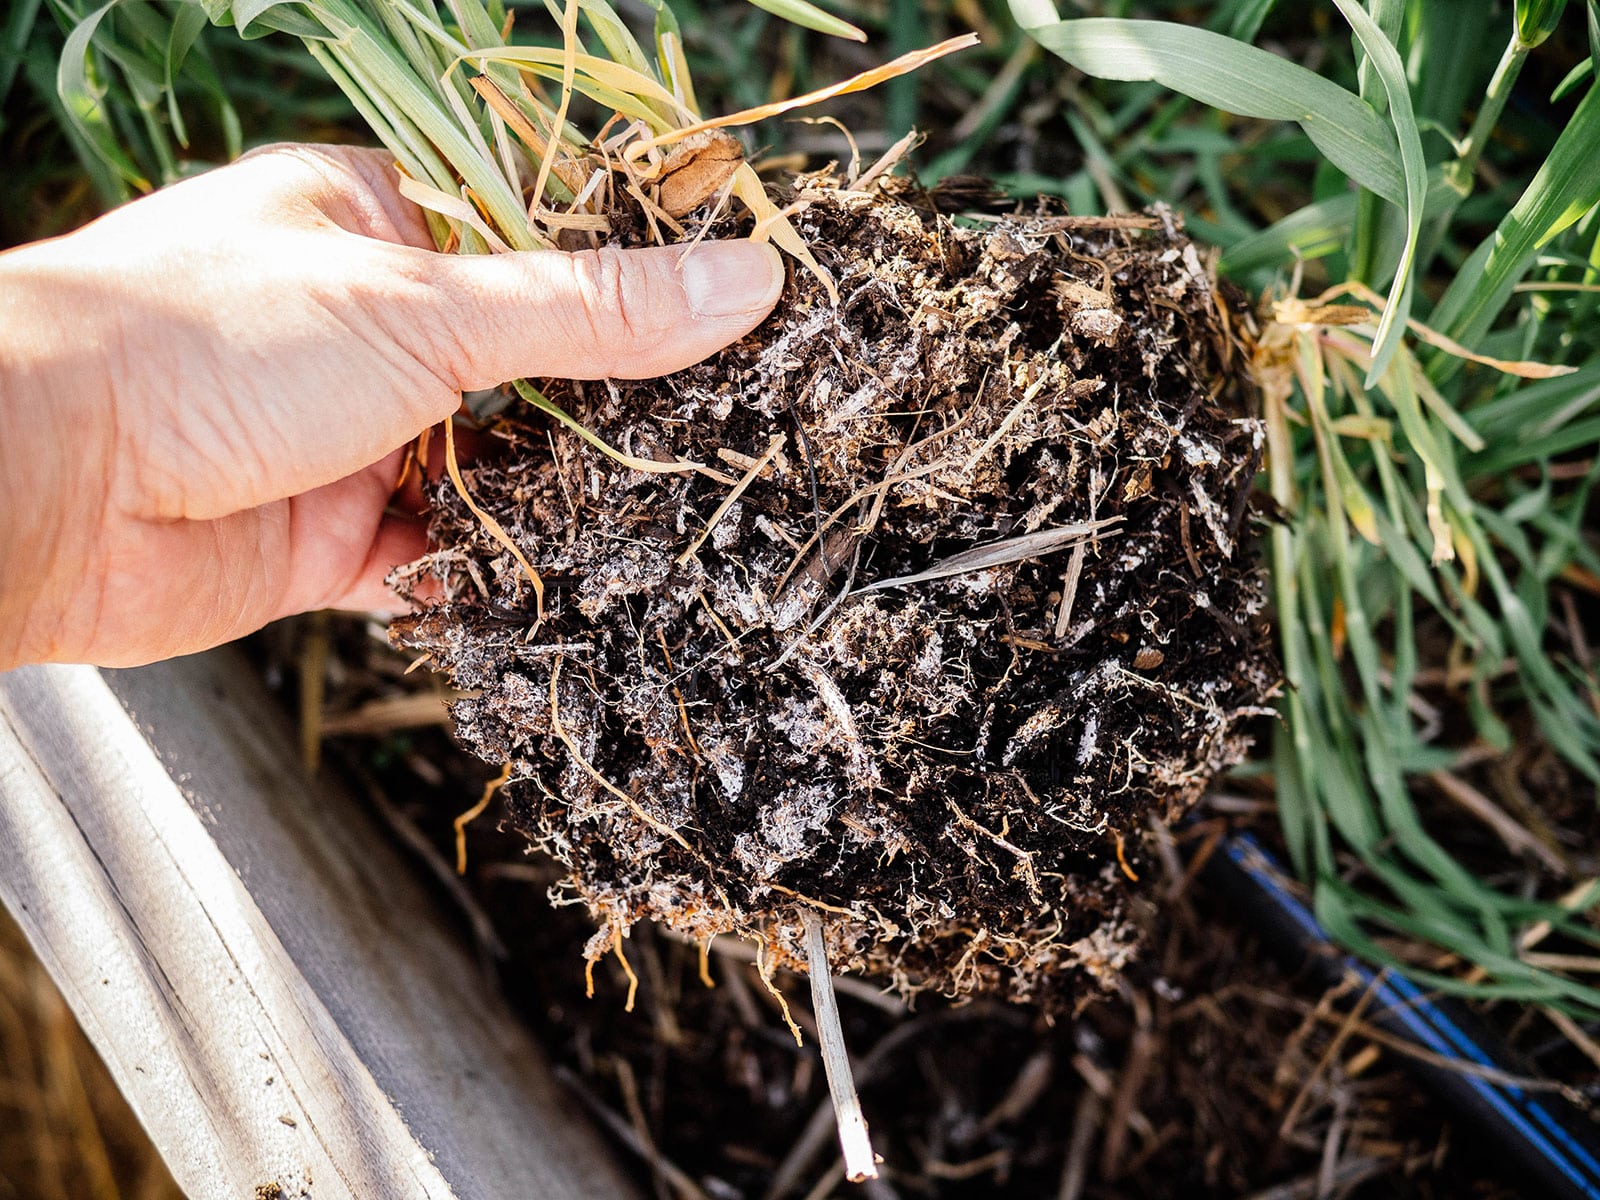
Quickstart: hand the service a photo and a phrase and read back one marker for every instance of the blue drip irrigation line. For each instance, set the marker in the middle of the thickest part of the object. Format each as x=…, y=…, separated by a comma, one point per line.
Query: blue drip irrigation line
x=1433, y=1028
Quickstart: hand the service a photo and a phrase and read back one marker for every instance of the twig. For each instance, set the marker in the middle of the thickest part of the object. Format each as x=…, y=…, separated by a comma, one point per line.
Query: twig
x=410, y=710
x=1573, y=1032
x=625, y=1133
x=1142, y=1050
x=629, y=1085
x=999, y=435
x=742, y=951
x=1333, y=1142
x=487, y=939
x=886, y=163
x=1085, y=1124
x=1025, y=1091
x=831, y=1178
x=822, y=617
x=1349, y=1174
x=1069, y=590
x=806, y=1148
x=313, y=687
x=1517, y=839
x=786, y=1178
x=874, y=489
x=859, y=1161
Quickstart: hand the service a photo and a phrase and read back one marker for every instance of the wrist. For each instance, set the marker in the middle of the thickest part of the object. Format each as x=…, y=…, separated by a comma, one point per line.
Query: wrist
x=52, y=448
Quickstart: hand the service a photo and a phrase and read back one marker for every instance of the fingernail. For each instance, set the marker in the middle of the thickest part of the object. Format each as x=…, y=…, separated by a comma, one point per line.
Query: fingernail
x=731, y=279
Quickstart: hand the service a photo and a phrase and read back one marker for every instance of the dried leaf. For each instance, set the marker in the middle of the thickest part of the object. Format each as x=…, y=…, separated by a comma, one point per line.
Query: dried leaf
x=1522, y=369
x=856, y=83
x=698, y=168
x=998, y=554
x=505, y=108
x=453, y=207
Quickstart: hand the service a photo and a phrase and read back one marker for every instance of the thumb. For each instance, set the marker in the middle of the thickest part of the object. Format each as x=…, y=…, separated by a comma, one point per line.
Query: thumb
x=630, y=314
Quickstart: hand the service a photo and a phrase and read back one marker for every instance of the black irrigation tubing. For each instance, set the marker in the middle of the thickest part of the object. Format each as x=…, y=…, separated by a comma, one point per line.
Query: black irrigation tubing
x=1549, y=1147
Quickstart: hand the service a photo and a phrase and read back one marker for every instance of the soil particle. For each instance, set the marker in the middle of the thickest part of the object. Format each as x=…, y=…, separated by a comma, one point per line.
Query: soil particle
x=962, y=591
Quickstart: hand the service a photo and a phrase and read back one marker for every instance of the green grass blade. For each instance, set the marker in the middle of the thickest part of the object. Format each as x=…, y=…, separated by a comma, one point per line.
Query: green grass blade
x=1573, y=80
x=1248, y=18
x=1384, y=61
x=257, y=18
x=1565, y=188
x=809, y=16
x=1387, y=17
x=84, y=100
x=618, y=40
x=1453, y=32
x=187, y=22
x=1238, y=78
x=398, y=136
x=1537, y=20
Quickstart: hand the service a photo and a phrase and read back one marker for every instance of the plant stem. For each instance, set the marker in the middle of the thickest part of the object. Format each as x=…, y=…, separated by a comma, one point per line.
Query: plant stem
x=859, y=1161
x=1494, y=102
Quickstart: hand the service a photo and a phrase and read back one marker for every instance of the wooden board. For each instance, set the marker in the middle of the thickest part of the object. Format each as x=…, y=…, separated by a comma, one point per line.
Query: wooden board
x=272, y=989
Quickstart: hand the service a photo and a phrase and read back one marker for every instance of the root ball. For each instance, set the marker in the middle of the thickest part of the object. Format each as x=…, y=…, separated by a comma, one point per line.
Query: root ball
x=966, y=593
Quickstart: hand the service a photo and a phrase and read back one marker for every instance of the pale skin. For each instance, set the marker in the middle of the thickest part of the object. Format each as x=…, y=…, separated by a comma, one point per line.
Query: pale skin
x=205, y=396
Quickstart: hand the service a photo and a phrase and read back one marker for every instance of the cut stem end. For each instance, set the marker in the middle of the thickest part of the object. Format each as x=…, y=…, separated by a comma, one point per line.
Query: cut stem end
x=859, y=1161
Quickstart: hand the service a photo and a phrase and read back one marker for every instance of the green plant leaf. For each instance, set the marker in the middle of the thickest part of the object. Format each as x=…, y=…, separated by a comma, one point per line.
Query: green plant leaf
x=84, y=99
x=1385, y=62
x=1566, y=187
x=1230, y=75
x=1248, y=18
x=1573, y=80
x=1388, y=16
x=257, y=18
x=187, y=22
x=1307, y=233
x=1537, y=20
x=808, y=15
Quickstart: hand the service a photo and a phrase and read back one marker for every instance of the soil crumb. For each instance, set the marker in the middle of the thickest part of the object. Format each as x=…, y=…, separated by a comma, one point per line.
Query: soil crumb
x=960, y=592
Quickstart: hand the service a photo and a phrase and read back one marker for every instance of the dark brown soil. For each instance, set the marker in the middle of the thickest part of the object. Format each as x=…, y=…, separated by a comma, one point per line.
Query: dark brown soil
x=1034, y=617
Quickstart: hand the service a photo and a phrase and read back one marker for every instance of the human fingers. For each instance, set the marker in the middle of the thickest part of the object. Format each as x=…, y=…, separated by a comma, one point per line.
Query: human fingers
x=342, y=539
x=628, y=314
x=412, y=329
x=622, y=313
x=398, y=540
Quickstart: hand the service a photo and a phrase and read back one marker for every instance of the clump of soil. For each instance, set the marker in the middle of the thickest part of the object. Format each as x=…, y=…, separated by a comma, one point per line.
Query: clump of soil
x=962, y=592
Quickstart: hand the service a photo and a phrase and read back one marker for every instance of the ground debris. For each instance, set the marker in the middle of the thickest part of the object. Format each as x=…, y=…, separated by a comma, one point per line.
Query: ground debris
x=983, y=598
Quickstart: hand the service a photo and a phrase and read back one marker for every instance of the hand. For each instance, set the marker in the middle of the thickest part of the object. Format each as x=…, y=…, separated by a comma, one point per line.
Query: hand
x=204, y=395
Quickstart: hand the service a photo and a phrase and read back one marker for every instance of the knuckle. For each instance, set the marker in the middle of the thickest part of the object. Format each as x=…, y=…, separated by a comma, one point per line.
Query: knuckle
x=292, y=164
x=269, y=150
x=618, y=305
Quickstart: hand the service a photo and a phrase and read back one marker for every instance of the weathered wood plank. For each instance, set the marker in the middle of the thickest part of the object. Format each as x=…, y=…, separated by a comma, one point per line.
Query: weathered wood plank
x=270, y=986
